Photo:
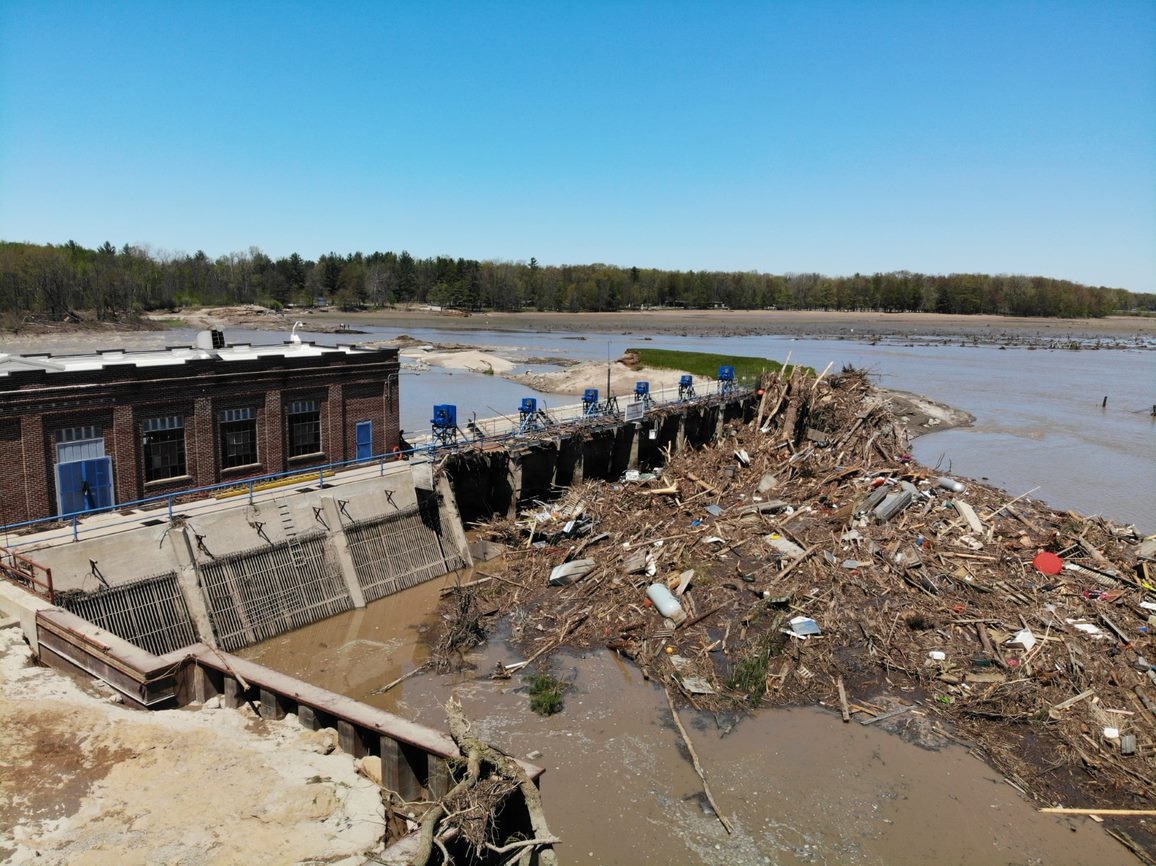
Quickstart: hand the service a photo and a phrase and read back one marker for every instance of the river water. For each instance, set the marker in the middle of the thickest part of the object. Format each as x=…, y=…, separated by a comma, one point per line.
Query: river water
x=1039, y=415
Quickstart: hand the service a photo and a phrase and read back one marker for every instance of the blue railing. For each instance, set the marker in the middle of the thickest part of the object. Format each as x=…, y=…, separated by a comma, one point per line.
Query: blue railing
x=251, y=488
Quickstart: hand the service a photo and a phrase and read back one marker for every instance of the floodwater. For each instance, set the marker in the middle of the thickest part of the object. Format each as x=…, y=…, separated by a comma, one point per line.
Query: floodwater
x=799, y=786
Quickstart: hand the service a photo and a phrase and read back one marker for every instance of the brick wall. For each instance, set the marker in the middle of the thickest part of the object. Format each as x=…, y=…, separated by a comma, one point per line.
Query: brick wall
x=118, y=398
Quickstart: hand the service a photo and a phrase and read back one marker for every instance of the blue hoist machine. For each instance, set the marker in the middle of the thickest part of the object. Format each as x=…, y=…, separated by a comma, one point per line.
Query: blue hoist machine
x=531, y=419
x=726, y=380
x=642, y=394
x=444, y=425
x=686, y=387
x=592, y=407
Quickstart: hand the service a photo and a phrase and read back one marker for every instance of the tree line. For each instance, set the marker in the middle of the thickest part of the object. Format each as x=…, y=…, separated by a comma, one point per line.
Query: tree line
x=53, y=280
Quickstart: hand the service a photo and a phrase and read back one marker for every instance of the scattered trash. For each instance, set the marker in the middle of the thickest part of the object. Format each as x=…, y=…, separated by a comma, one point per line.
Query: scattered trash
x=968, y=514
x=1087, y=628
x=767, y=483
x=937, y=655
x=569, y=572
x=787, y=548
x=1024, y=638
x=1048, y=563
x=666, y=603
x=804, y=626
x=678, y=585
x=714, y=510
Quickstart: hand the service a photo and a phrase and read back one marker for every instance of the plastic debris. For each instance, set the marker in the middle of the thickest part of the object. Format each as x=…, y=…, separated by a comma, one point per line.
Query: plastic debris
x=804, y=626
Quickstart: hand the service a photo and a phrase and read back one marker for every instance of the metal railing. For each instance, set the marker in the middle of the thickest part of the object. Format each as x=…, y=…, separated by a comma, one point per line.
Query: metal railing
x=32, y=576
x=190, y=500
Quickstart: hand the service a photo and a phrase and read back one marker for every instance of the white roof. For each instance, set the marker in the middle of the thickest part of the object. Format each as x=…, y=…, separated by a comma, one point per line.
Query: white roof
x=173, y=355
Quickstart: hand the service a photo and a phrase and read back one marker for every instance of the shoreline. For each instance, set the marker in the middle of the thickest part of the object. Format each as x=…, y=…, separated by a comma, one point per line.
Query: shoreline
x=1111, y=332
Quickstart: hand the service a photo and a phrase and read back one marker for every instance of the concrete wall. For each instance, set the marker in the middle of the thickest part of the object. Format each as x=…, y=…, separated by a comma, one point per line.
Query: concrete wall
x=131, y=554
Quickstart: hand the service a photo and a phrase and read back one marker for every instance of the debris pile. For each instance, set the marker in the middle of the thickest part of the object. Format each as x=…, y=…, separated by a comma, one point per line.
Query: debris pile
x=805, y=557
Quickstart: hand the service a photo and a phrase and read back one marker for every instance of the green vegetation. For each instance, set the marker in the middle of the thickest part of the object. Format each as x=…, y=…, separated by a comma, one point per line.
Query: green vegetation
x=706, y=365
x=547, y=694
x=52, y=280
x=750, y=675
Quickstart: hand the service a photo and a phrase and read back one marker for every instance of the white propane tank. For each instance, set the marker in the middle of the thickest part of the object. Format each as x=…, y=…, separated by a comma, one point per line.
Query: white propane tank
x=665, y=602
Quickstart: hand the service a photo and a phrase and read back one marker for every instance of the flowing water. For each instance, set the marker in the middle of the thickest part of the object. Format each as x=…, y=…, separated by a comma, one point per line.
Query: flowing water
x=1040, y=422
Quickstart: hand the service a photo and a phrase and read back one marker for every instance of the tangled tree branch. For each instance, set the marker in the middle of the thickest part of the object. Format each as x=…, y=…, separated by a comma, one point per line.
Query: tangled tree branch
x=483, y=764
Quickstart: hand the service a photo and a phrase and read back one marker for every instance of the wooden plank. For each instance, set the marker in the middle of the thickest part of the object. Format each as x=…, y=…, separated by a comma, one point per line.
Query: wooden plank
x=887, y=715
x=1060, y=810
x=307, y=716
x=968, y=514
x=1072, y=701
x=271, y=705
x=390, y=766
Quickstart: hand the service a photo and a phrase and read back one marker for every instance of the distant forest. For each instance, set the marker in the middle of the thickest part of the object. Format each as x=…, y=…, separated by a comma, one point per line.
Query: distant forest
x=52, y=281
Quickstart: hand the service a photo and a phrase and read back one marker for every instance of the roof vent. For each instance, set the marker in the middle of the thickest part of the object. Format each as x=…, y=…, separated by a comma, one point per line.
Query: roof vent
x=210, y=340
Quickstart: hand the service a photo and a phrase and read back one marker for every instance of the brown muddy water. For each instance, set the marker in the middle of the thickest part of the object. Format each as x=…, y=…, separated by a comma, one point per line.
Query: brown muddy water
x=799, y=786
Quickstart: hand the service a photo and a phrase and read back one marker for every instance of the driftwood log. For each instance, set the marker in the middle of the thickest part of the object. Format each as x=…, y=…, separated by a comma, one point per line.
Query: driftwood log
x=484, y=760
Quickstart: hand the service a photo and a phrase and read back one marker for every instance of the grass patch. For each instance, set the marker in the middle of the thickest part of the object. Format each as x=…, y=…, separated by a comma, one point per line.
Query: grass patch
x=547, y=694
x=706, y=365
x=750, y=675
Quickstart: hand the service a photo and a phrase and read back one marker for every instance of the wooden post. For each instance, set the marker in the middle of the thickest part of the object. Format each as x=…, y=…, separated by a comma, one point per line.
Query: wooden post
x=203, y=685
x=272, y=706
x=349, y=739
x=396, y=771
x=439, y=776
x=307, y=717
x=232, y=695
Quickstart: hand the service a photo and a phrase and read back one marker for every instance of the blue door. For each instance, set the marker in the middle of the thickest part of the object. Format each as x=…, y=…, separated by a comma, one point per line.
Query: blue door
x=84, y=485
x=364, y=440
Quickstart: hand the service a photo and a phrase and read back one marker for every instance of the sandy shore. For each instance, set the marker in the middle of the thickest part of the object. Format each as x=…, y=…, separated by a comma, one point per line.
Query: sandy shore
x=1110, y=332
x=88, y=782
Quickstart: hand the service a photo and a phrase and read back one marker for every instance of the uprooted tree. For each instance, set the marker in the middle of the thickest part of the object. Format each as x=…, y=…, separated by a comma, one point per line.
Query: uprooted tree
x=467, y=813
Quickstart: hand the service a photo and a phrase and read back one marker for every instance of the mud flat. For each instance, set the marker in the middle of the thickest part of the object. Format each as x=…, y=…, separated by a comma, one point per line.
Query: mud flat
x=1123, y=331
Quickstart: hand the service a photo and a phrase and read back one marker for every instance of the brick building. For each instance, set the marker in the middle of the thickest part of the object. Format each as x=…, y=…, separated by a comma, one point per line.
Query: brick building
x=80, y=432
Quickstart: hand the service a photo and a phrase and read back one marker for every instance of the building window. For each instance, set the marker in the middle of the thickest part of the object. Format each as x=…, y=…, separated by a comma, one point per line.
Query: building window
x=238, y=437
x=163, y=444
x=304, y=427
x=74, y=444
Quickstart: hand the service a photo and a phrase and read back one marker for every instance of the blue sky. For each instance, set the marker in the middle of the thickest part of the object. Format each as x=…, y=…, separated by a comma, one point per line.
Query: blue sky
x=810, y=136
